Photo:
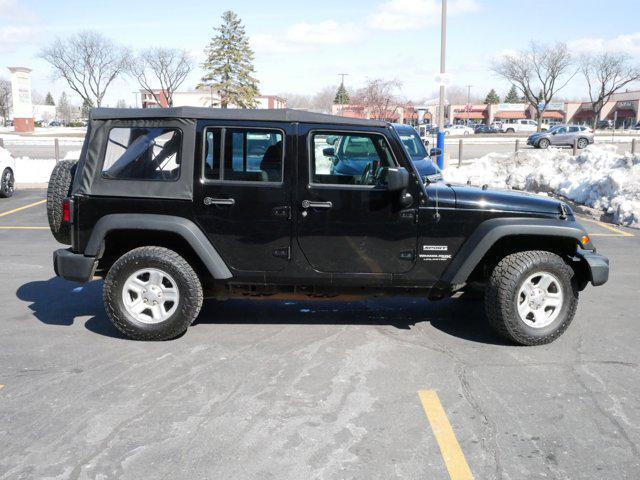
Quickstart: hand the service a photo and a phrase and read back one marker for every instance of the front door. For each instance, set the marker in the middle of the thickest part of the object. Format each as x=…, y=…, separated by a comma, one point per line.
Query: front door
x=244, y=203
x=347, y=222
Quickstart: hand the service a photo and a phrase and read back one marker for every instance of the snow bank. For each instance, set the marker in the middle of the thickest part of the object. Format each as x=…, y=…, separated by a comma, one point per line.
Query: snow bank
x=29, y=170
x=598, y=177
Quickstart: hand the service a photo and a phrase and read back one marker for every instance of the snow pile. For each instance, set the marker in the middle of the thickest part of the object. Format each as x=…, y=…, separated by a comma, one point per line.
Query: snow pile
x=598, y=177
x=29, y=170
x=5, y=156
x=72, y=155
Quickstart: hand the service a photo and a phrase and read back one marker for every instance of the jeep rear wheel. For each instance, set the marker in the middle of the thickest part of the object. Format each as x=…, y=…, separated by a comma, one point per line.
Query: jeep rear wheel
x=531, y=297
x=58, y=189
x=152, y=293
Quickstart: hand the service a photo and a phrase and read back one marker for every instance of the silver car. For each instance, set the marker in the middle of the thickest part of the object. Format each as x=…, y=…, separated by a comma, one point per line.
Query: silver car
x=562, y=135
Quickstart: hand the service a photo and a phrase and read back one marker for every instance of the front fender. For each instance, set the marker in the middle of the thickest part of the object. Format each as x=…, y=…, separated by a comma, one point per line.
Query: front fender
x=490, y=231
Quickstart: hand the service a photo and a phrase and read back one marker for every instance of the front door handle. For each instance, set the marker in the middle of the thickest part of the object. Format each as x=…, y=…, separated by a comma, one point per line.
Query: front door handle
x=309, y=204
x=226, y=202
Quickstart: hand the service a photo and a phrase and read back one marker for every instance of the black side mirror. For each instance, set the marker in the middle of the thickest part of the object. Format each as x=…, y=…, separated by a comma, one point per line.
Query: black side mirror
x=329, y=152
x=395, y=178
x=435, y=152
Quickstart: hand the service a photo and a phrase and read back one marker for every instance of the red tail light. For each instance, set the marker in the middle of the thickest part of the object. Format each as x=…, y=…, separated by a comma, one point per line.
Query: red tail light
x=66, y=210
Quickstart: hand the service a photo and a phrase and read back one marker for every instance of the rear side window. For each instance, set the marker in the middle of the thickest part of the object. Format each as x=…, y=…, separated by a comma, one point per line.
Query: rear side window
x=249, y=155
x=345, y=159
x=143, y=153
x=574, y=129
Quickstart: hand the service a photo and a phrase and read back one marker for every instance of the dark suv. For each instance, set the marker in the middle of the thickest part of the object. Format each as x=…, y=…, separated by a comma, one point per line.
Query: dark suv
x=173, y=205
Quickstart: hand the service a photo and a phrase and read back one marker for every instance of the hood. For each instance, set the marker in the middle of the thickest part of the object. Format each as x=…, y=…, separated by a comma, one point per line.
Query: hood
x=507, y=200
x=539, y=135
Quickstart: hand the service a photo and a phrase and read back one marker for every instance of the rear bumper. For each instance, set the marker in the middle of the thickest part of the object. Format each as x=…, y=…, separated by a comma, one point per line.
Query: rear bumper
x=73, y=266
x=598, y=266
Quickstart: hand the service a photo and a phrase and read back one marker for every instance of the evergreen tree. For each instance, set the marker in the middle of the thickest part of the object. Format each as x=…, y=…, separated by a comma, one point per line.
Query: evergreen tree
x=49, y=99
x=492, y=98
x=229, y=64
x=342, y=96
x=86, y=107
x=512, y=96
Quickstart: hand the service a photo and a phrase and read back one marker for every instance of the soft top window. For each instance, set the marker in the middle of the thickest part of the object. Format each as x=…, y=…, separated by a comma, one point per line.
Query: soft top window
x=143, y=153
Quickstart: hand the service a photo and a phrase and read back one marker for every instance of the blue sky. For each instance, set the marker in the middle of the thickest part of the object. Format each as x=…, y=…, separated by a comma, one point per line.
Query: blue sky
x=301, y=46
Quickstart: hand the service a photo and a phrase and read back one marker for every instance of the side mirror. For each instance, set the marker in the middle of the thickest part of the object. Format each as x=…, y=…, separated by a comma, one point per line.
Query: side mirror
x=396, y=178
x=332, y=139
x=435, y=152
x=329, y=152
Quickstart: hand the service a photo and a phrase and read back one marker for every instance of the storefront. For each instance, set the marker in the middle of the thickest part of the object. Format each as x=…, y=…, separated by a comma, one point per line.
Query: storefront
x=468, y=114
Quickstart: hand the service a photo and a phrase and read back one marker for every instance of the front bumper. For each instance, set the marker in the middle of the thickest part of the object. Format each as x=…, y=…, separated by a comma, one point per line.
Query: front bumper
x=73, y=266
x=598, y=266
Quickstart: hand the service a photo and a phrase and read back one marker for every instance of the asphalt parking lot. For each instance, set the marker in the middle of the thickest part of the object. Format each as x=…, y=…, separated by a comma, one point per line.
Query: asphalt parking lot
x=393, y=388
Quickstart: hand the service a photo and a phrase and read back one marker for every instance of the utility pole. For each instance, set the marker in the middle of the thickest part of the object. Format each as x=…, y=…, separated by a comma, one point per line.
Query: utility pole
x=468, y=102
x=443, y=51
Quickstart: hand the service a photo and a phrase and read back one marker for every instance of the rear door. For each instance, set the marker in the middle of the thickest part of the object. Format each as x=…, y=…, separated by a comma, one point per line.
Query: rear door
x=345, y=223
x=245, y=196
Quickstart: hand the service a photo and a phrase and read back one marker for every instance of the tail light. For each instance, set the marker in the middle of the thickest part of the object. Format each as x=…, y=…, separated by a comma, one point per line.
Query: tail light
x=66, y=210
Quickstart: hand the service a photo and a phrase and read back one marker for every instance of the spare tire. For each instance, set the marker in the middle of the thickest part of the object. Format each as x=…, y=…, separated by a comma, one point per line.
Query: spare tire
x=59, y=188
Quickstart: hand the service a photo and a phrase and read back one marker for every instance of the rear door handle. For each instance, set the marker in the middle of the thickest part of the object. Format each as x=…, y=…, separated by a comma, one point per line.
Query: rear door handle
x=226, y=202
x=309, y=204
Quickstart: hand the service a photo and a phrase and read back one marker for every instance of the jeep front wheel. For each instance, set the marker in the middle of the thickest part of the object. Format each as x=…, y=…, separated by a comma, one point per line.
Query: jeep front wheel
x=152, y=293
x=531, y=297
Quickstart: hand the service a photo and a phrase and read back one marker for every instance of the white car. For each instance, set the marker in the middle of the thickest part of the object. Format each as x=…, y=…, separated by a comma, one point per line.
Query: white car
x=520, y=126
x=458, y=130
x=7, y=172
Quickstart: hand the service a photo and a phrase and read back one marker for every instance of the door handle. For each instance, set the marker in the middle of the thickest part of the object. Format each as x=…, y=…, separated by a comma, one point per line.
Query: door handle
x=226, y=202
x=309, y=204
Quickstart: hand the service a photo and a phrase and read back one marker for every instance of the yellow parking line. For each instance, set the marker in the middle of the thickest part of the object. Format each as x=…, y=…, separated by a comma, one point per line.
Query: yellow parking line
x=24, y=228
x=449, y=447
x=40, y=202
x=621, y=233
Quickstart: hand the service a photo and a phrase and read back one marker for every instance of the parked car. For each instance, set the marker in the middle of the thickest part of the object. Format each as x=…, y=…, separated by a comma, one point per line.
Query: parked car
x=55, y=123
x=637, y=126
x=458, y=130
x=158, y=207
x=7, y=174
x=486, y=129
x=562, y=135
x=604, y=124
x=416, y=148
x=520, y=126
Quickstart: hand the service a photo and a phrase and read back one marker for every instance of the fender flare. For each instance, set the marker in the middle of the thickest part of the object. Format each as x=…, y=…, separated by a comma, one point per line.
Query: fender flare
x=490, y=231
x=183, y=227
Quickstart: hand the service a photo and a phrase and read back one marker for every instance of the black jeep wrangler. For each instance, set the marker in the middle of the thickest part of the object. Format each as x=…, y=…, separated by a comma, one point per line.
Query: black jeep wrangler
x=174, y=205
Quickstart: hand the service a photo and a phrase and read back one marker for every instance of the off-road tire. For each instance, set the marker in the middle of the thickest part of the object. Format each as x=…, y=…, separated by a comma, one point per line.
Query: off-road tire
x=59, y=188
x=188, y=283
x=502, y=291
x=6, y=183
x=544, y=143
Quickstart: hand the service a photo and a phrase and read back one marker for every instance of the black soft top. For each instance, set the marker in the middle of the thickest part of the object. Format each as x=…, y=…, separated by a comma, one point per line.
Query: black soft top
x=267, y=115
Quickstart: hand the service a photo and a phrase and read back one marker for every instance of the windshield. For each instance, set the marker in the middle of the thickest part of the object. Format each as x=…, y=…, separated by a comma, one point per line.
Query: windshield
x=413, y=144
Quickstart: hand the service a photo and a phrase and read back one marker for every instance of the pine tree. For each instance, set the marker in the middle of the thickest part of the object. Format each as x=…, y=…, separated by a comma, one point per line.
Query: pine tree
x=86, y=107
x=492, y=98
x=229, y=64
x=342, y=96
x=49, y=99
x=512, y=96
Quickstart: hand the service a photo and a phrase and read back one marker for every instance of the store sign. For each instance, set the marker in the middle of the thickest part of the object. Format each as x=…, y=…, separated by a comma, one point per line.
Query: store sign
x=21, y=92
x=511, y=107
x=624, y=105
x=555, y=106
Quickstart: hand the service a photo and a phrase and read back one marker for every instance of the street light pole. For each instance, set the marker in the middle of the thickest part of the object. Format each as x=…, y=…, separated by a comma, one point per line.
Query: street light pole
x=443, y=50
x=468, y=102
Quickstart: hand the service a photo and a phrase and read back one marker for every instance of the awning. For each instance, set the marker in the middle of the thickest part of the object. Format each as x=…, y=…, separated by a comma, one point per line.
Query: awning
x=623, y=113
x=474, y=115
x=552, y=114
x=509, y=115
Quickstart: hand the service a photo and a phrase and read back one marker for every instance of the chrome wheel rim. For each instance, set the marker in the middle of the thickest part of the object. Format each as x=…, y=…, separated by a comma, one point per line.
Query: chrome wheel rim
x=150, y=295
x=540, y=300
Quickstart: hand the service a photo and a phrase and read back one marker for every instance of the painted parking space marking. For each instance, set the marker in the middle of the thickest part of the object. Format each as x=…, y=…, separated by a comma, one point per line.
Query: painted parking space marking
x=34, y=204
x=454, y=459
x=617, y=231
x=23, y=228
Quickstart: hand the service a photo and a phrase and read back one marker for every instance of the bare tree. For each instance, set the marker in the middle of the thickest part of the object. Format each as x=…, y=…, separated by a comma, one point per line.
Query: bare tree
x=538, y=72
x=166, y=68
x=5, y=99
x=378, y=98
x=64, y=110
x=89, y=62
x=606, y=73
